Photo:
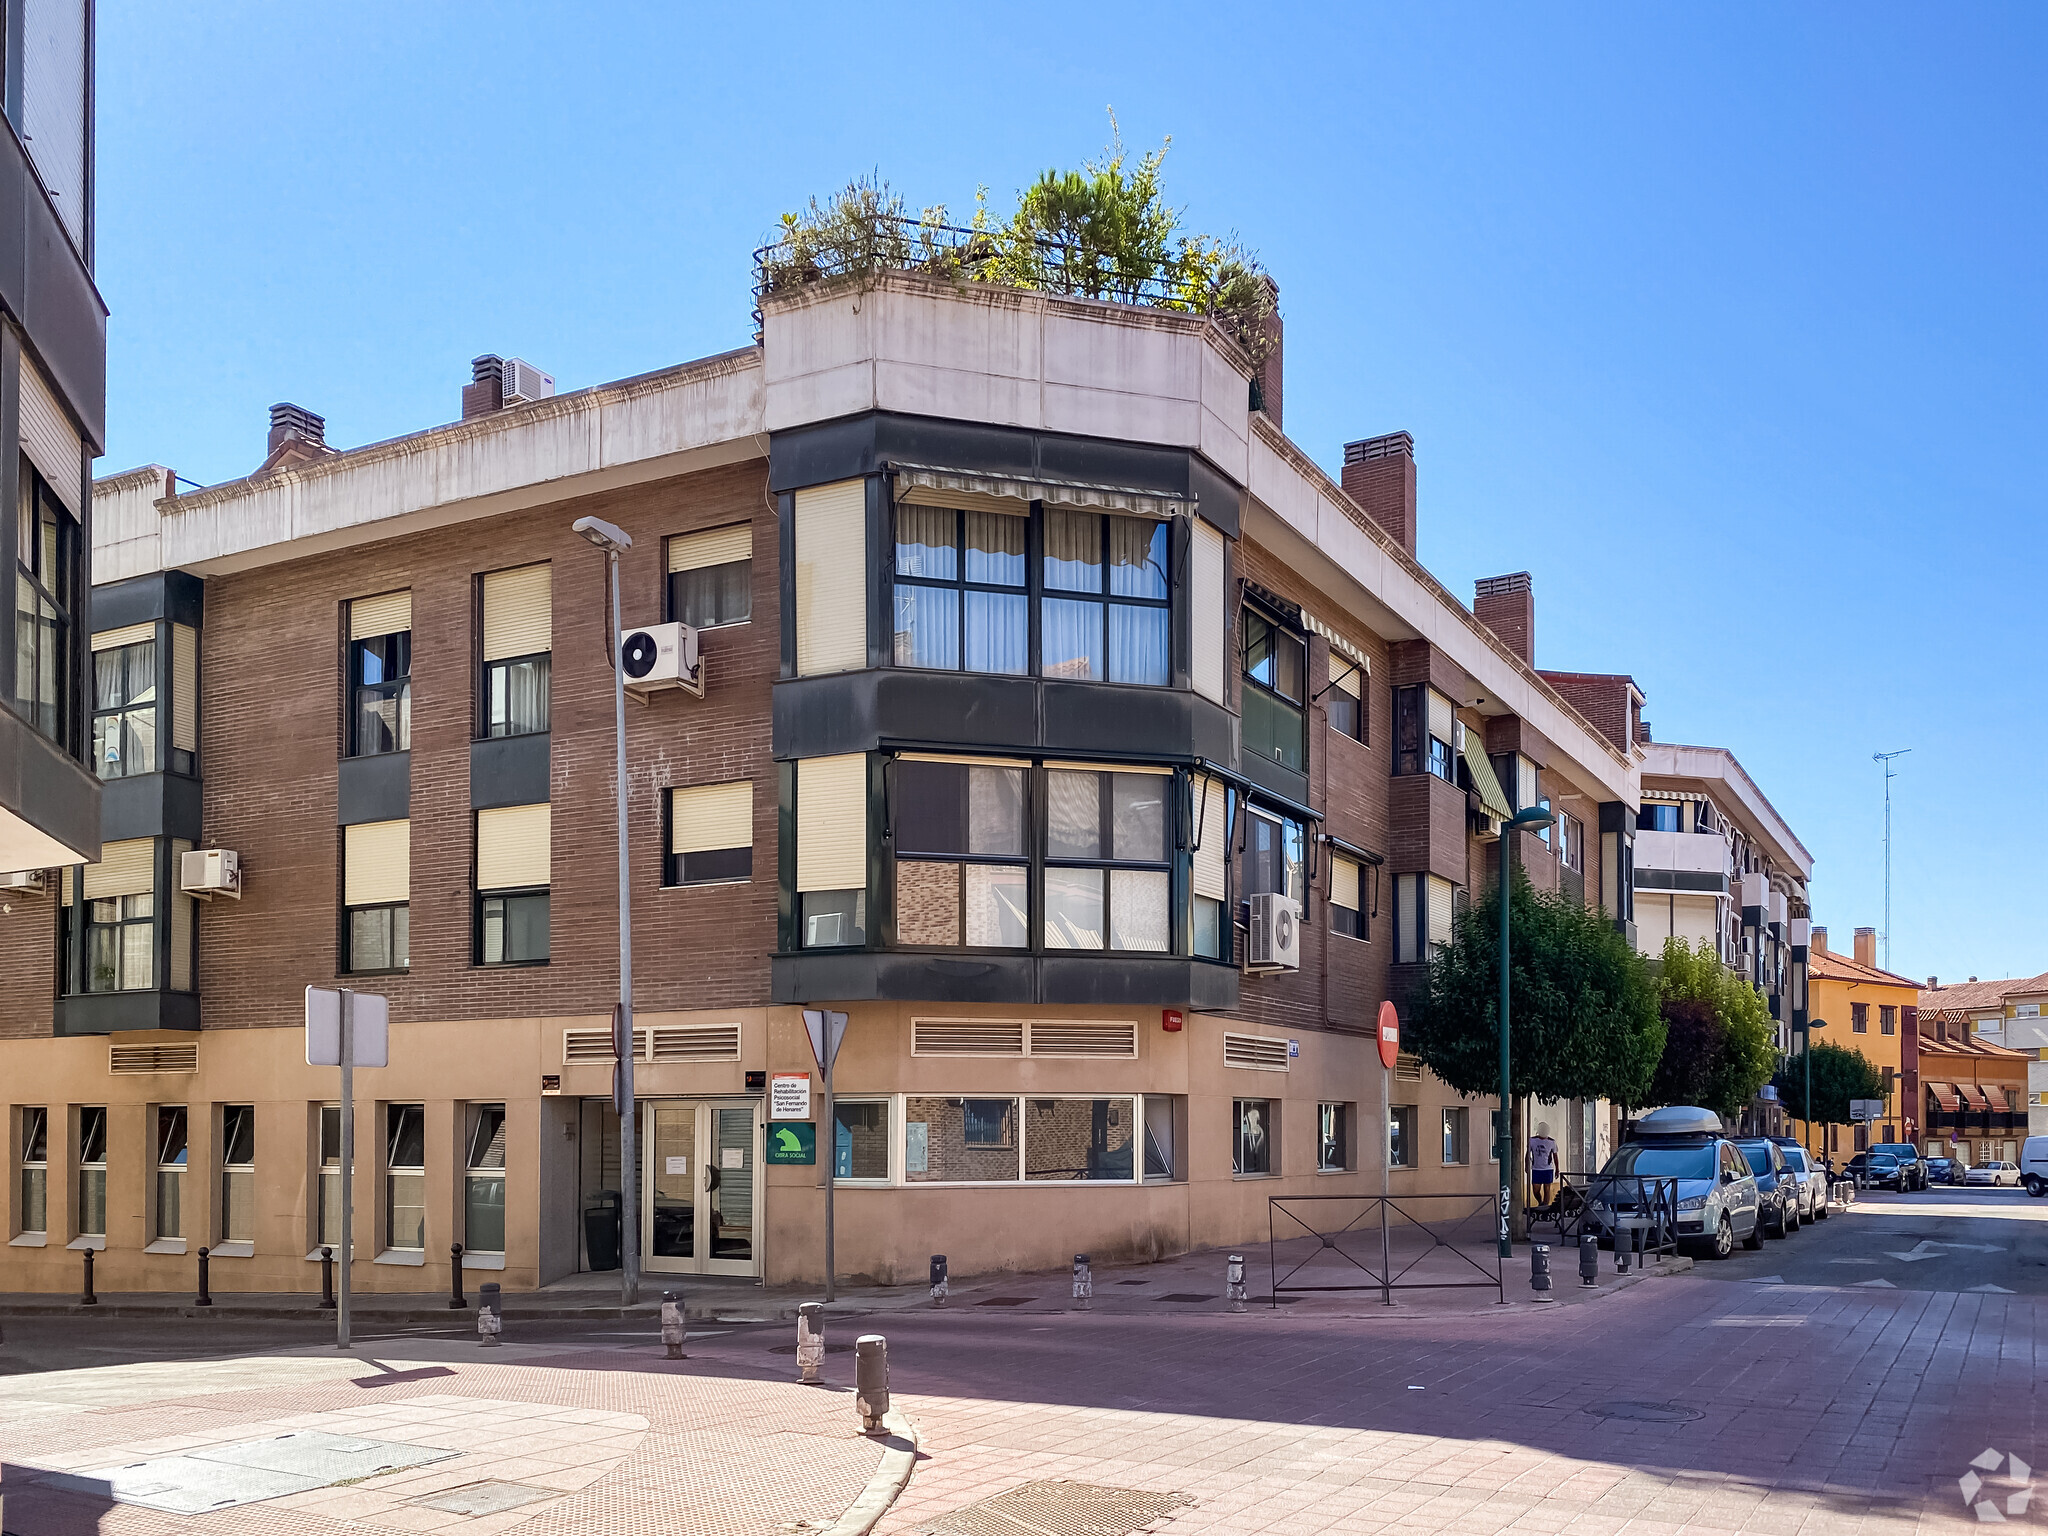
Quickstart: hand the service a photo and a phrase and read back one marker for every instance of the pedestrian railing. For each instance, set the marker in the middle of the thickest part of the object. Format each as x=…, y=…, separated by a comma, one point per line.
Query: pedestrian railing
x=1384, y=1243
x=1641, y=1210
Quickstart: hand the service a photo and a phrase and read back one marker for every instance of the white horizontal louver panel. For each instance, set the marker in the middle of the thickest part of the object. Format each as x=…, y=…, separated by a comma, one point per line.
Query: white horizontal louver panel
x=142, y=1060
x=519, y=613
x=694, y=1042
x=114, y=639
x=124, y=869
x=1255, y=1052
x=832, y=823
x=705, y=817
x=1407, y=1068
x=831, y=578
x=584, y=1046
x=966, y=1037
x=1211, y=836
x=512, y=847
x=1084, y=1038
x=714, y=546
x=52, y=444
x=376, y=863
x=389, y=613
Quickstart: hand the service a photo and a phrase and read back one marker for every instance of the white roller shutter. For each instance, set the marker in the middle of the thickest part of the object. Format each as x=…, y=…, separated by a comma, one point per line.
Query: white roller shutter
x=714, y=546
x=125, y=869
x=1443, y=720
x=114, y=639
x=389, y=613
x=376, y=861
x=832, y=823
x=1441, y=896
x=1208, y=612
x=48, y=438
x=832, y=579
x=184, y=688
x=519, y=613
x=512, y=847
x=53, y=103
x=1344, y=884
x=1212, y=853
x=705, y=817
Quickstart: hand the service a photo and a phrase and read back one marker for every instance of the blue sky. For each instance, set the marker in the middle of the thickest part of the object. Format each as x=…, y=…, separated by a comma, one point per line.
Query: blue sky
x=1727, y=323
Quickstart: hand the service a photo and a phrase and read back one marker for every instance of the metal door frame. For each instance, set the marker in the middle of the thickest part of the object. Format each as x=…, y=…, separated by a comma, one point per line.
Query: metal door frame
x=704, y=1112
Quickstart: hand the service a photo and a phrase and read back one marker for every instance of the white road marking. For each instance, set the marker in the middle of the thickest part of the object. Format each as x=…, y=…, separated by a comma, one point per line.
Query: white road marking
x=1927, y=1248
x=1884, y=1285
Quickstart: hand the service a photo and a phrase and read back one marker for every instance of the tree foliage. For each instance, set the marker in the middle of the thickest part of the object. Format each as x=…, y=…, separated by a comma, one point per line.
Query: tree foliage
x=1721, y=1065
x=1582, y=1010
x=1839, y=1075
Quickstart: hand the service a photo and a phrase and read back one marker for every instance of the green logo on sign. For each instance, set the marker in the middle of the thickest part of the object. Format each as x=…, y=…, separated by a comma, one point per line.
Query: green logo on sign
x=792, y=1141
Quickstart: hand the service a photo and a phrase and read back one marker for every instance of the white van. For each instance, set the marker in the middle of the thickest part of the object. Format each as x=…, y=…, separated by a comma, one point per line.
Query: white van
x=2034, y=1165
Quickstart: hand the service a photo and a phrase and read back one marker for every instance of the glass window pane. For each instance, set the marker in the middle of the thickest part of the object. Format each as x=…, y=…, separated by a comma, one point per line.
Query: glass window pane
x=1139, y=646
x=406, y=1126
x=35, y=1135
x=1138, y=816
x=92, y=1135
x=1208, y=927
x=927, y=902
x=1073, y=806
x=169, y=1215
x=519, y=696
x=406, y=1210
x=998, y=905
x=947, y=1140
x=35, y=1199
x=1258, y=648
x=1073, y=909
x=1073, y=551
x=927, y=627
x=1076, y=1139
x=138, y=959
x=92, y=1202
x=487, y=1136
x=998, y=631
x=995, y=549
x=713, y=595
x=1138, y=910
x=1290, y=666
x=238, y=1134
x=835, y=919
x=483, y=1216
x=1071, y=647
x=931, y=807
x=995, y=810
x=927, y=542
x=1252, y=1145
x=526, y=927
x=170, y=1137
x=1137, y=558
x=861, y=1143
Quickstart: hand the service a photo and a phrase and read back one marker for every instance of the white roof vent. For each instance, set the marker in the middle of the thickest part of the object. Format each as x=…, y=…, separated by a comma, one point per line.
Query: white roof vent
x=523, y=381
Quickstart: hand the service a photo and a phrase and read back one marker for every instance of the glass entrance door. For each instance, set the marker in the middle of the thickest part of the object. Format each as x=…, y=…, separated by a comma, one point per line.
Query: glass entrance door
x=702, y=1181
x=729, y=1195
x=671, y=1185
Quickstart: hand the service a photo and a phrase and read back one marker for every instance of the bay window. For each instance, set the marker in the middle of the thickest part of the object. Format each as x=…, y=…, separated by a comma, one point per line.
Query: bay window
x=1079, y=548
x=1209, y=877
x=1425, y=733
x=960, y=598
x=1275, y=686
x=1274, y=854
x=1107, y=873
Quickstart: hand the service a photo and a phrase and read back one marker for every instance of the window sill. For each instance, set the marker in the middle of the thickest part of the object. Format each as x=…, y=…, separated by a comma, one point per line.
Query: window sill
x=414, y=1258
x=394, y=971
x=698, y=885
x=232, y=1250
x=166, y=1245
x=29, y=1240
x=866, y=1183
x=504, y=965
x=1322, y=1171
x=1250, y=1178
x=96, y=1241
x=483, y=1260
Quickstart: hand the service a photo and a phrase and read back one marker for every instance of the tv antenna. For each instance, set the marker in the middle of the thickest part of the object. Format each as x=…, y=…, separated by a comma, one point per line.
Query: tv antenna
x=1884, y=760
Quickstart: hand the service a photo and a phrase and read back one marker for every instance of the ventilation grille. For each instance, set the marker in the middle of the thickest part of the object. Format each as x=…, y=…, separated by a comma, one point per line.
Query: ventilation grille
x=142, y=1060
x=1254, y=1051
x=692, y=1042
x=1084, y=1038
x=590, y=1045
x=1407, y=1069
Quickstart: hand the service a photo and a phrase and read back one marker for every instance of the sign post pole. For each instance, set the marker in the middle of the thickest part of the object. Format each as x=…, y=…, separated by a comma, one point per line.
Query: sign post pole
x=1390, y=1051
x=826, y=1030
x=346, y=1029
x=348, y=1165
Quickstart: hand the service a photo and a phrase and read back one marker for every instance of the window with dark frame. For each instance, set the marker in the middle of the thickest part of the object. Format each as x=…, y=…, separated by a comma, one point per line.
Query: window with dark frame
x=1251, y=1141
x=961, y=603
x=1887, y=1019
x=483, y=1184
x=1275, y=856
x=1344, y=702
x=1425, y=733
x=238, y=1173
x=1275, y=667
x=405, y=1176
x=1859, y=1018
x=379, y=938
x=518, y=621
x=711, y=577
x=1108, y=870
x=124, y=712
x=1333, y=1138
x=512, y=927
x=1401, y=1148
x=45, y=602
x=1107, y=604
x=963, y=873
x=710, y=834
x=120, y=943
x=34, y=1215
x=91, y=1215
x=380, y=694
x=1457, y=1133
x=1348, y=914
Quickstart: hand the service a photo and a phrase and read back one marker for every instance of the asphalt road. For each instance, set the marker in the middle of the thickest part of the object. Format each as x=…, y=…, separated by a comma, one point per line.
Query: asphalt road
x=1939, y=1239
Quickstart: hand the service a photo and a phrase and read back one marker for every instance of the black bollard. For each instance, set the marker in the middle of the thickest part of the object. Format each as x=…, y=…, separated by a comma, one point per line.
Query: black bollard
x=871, y=1381
x=205, y=1296
x=456, y=1300
x=1589, y=1258
x=1539, y=1270
x=326, y=1278
x=88, y=1299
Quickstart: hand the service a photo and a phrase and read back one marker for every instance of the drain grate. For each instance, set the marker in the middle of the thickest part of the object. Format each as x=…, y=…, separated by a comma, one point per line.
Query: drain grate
x=486, y=1498
x=1646, y=1413
x=1006, y=1301
x=1061, y=1509
x=790, y=1349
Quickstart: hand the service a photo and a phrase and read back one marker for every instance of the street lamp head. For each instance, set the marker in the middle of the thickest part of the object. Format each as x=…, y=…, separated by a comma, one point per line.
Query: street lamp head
x=1535, y=816
x=606, y=536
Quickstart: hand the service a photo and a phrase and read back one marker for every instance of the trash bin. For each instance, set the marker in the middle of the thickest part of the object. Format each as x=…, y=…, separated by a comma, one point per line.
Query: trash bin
x=601, y=1229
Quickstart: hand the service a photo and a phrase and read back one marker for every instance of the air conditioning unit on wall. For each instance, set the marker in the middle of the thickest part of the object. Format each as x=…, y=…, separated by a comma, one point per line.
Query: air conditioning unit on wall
x=22, y=880
x=1275, y=940
x=210, y=872
x=661, y=656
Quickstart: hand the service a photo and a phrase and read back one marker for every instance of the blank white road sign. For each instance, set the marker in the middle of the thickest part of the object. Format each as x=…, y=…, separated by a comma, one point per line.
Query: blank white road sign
x=372, y=1019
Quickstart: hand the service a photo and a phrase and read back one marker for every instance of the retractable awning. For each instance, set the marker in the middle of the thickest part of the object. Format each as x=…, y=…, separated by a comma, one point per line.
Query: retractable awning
x=1491, y=795
x=1945, y=1097
x=1978, y=1098
x=931, y=486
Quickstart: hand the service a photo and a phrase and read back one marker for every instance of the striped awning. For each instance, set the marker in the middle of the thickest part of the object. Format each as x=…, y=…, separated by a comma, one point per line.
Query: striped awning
x=1338, y=643
x=1945, y=1097
x=1979, y=1099
x=1491, y=796
x=929, y=485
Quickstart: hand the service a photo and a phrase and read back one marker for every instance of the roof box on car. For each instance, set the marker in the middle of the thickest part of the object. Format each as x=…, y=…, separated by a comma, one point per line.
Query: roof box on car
x=1679, y=1120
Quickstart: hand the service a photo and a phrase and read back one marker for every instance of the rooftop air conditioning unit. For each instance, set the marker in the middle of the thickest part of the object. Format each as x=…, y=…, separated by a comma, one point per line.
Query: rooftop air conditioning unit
x=210, y=872
x=1275, y=942
x=521, y=381
x=662, y=656
x=22, y=880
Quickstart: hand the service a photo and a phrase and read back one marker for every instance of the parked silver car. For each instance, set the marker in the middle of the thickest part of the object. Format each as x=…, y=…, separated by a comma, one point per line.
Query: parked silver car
x=1717, y=1193
x=1812, y=1179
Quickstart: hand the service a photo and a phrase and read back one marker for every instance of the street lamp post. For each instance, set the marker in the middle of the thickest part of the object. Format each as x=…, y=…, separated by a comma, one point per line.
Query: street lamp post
x=613, y=540
x=1529, y=820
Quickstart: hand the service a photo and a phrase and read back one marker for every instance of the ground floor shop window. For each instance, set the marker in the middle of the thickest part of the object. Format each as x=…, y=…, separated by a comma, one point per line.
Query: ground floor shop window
x=1401, y=1148
x=238, y=1173
x=1077, y=1139
x=860, y=1142
x=1457, y=1145
x=92, y=1172
x=1333, y=1137
x=1251, y=1136
x=483, y=1185
x=405, y=1176
x=948, y=1140
x=34, y=1215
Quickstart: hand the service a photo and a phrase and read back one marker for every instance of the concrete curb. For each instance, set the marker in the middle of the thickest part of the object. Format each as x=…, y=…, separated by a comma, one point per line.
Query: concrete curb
x=890, y=1478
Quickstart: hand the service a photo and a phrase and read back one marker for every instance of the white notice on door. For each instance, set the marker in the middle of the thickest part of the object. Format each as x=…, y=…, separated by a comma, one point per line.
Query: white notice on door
x=676, y=1165
x=732, y=1157
x=789, y=1096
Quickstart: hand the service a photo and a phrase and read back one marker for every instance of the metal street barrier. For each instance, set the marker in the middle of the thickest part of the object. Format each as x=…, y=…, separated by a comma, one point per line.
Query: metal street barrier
x=1383, y=1243
x=1610, y=1205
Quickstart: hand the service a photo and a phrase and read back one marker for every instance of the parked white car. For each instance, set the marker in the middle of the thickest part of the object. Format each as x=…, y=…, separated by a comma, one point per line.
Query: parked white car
x=1994, y=1174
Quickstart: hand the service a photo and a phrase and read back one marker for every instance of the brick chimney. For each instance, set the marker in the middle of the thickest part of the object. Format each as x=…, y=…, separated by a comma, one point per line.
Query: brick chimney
x=1866, y=946
x=1819, y=944
x=297, y=436
x=1507, y=606
x=1266, y=383
x=485, y=391
x=1379, y=474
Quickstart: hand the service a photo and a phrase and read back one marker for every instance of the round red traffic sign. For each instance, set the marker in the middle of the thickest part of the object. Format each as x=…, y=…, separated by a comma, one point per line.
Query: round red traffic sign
x=1390, y=1034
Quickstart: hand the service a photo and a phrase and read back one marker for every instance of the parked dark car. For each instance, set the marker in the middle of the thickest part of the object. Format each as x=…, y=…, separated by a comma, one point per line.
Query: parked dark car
x=1912, y=1166
x=1777, y=1187
x=1943, y=1170
x=1878, y=1170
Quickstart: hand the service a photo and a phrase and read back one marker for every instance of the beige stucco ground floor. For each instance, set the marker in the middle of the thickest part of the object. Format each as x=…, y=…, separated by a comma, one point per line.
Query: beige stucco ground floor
x=1006, y=1139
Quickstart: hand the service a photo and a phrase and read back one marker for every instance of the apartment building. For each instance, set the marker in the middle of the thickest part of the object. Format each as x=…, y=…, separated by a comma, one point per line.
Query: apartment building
x=1061, y=723
x=2005, y=1013
x=53, y=330
x=1976, y=1092
x=1857, y=1004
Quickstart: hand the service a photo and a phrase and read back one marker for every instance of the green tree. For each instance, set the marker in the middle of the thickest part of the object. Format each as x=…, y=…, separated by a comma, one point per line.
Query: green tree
x=1726, y=1077
x=1583, y=1019
x=1839, y=1075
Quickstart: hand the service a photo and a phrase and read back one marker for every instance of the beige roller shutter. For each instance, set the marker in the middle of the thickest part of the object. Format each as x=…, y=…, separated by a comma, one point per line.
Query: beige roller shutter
x=48, y=438
x=1344, y=675
x=512, y=847
x=376, y=862
x=1442, y=894
x=705, y=817
x=714, y=546
x=1443, y=720
x=964, y=501
x=67, y=885
x=386, y=614
x=1207, y=611
x=181, y=925
x=519, y=613
x=184, y=688
x=53, y=103
x=114, y=639
x=832, y=823
x=1344, y=884
x=124, y=869
x=832, y=580
x=1212, y=856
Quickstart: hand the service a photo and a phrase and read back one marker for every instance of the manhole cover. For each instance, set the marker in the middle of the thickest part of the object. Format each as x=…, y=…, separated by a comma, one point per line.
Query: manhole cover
x=790, y=1349
x=486, y=1498
x=1006, y=1301
x=1061, y=1509
x=1646, y=1413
